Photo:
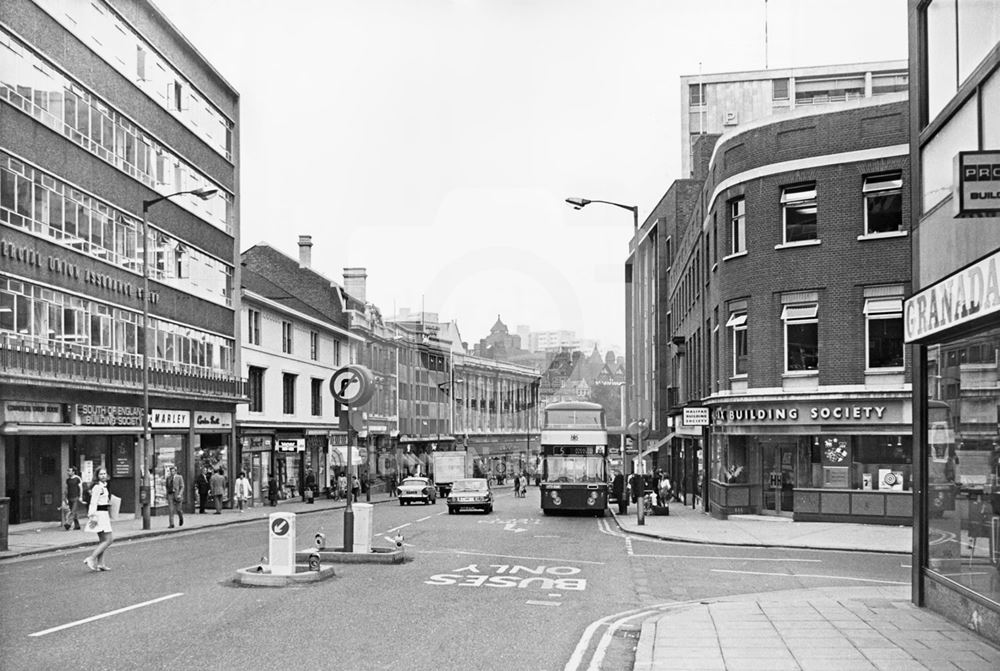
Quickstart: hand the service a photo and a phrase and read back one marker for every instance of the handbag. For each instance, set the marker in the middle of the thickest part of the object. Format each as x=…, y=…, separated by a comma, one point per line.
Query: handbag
x=114, y=506
x=91, y=527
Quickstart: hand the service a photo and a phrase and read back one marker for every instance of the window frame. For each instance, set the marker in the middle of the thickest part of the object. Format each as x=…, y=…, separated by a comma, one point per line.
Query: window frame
x=883, y=309
x=799, y=197
x=255, y=388
x=253, y=326
x=314, y=345
x=740, y=343
x=316, y=402
x=288, y=382
x=737, y=226
x=287, y=337
x=881, y=185
x=799, y=314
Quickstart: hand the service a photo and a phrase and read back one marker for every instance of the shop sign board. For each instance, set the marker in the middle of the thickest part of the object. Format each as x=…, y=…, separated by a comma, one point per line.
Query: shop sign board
x=831, y=411
x=107, y=415
x=291, y=445
x=32, y=412
x=122, y=466
x=969, y=294
x=977, y=184
x=213, y=420
x=695, y=416
x=169, y=419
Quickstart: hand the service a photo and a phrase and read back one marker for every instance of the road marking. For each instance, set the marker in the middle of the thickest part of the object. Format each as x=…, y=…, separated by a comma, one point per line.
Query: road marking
x=422, y=519
x=392, y=541
x=808, y=575
x=549, y=536
x=512, y=526
x=542, y=603
x=906, y=566
x=104, y=615
x=784, y=559
x=493, y=554
x=628, y=547
x=401, y=526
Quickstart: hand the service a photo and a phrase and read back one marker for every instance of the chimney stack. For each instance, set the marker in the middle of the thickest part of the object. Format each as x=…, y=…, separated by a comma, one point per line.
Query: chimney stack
x=305, y=251
x=355, y=280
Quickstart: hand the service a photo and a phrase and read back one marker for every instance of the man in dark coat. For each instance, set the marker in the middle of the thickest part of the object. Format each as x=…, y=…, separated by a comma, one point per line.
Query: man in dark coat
x=618, y=491
x=201, y=485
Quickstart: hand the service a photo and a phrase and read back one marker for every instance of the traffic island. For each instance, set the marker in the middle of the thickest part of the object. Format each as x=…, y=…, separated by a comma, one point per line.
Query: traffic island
x=261, y=576
x=342, y=556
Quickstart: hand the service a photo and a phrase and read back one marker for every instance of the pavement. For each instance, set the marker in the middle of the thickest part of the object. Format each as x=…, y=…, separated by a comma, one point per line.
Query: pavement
x=809, y=630
x=821, y=629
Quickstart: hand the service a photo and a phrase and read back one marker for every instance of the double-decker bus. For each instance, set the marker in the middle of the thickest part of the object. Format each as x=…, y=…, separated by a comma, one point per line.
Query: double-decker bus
x=574, y=458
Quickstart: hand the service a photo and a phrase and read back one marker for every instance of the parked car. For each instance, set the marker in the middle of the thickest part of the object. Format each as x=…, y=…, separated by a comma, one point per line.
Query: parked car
x=416, y=489
x=470, y=493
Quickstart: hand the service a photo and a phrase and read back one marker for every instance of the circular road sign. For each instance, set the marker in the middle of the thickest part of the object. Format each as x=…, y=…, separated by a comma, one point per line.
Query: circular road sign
x=639, y=429
x=352, y=385
x=280, y=526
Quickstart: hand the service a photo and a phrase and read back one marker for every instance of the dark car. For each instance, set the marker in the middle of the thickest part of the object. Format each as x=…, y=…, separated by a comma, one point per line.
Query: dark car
x=471, y=493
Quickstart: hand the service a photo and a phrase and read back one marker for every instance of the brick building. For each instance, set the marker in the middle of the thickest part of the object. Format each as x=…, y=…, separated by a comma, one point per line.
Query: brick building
x=778, y=272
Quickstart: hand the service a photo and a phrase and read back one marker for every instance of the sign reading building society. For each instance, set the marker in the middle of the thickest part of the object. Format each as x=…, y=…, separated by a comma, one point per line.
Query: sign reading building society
x=512, y=575
x=970, y=293
x=696, y=416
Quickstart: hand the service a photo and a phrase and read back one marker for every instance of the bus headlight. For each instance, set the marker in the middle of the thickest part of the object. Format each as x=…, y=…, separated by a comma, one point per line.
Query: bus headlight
x=555, y=498
x=592, y=499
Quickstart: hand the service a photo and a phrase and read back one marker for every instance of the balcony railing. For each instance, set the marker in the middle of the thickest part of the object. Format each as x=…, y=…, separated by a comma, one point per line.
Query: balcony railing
x=28, y=361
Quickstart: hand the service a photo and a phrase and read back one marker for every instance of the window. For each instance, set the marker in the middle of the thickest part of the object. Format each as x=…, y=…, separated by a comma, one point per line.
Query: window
x=741, y=349
x=884, y=332
x=779, y=89
x=883, y=203
x=286, y=337
x=737, y=226
x=801, y=337
x=255, y=378
x=697, y=94
x=314, y=346
x=336, y=352
x=798, y=206
x=253, y=326
x=288, y=393
x=317, y=397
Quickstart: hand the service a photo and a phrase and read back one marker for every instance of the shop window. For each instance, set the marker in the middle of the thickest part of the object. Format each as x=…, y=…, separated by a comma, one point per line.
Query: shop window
x=741, y=348
x=798, y=208
x=883, y=203
x=884, y=332
x=801, y=337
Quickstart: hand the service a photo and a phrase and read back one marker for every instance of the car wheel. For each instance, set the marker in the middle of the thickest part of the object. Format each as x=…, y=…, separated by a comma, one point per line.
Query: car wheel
x=402, y=502
x=488, y=509
x=451, y=511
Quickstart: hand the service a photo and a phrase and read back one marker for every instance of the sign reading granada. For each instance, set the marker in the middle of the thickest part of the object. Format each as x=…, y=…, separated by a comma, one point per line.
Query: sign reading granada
x=969, y=294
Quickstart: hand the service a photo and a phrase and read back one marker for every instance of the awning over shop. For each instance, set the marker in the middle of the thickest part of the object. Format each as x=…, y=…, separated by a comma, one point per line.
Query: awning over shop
x=338, y=456
x=655, y=447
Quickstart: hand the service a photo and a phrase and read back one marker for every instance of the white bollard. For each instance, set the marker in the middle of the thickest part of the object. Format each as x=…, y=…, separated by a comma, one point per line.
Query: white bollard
x=364, y=527
x=281, y=535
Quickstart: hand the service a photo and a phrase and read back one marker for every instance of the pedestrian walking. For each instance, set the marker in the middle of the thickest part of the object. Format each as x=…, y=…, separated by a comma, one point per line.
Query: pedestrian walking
x=244, y=490
x=201, y=485
x=310, y=489
x=342, y=486
x=74, y=490
x=217, y=487
x=175, y=496
x=272, y=490
x=355, y=487
x=618, y=491
x=524, y=485
x=99, y=521
x=517, y=486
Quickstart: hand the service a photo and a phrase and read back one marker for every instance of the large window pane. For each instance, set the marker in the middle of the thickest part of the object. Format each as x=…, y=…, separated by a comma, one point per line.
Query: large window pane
x=941, y=55
x=937, y=157
x=978, y=33
x=802, y=346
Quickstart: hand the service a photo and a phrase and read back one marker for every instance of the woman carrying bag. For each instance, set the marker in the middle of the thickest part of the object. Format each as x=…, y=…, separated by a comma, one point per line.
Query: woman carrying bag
x=102, y=505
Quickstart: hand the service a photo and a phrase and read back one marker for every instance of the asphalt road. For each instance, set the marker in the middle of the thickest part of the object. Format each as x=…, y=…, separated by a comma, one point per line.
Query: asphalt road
x=510, y=590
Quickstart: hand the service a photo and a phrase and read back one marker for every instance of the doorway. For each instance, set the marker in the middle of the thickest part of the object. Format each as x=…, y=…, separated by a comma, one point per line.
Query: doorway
x=778, y=476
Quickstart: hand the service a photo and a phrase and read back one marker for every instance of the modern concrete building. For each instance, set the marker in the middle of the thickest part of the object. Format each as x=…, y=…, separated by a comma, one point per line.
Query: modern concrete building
x=953, y=317
x=107, y=114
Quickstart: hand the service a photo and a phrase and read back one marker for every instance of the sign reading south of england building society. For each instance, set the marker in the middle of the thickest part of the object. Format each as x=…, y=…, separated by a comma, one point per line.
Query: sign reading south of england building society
x=971, y=293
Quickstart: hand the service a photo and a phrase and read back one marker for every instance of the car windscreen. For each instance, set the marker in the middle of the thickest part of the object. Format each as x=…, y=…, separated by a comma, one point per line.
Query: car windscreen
x=413, y=482
x=469, y=486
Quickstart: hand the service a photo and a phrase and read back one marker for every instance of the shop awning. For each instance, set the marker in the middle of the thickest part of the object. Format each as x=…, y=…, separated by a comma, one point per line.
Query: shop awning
x=655, y=447
x=338, y=456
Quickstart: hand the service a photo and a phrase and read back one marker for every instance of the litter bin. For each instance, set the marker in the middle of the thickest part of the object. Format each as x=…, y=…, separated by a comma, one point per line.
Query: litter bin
x=4, y=517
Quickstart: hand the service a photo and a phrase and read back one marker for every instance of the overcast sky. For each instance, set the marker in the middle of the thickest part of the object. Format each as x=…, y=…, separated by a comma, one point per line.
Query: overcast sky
x=433, y=141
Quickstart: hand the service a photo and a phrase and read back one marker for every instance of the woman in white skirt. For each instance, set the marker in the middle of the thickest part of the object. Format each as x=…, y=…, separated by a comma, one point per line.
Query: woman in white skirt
x=100, y=520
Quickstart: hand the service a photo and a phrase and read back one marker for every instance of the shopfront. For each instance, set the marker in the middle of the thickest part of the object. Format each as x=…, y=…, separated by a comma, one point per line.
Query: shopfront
x=955, y=325
x=255, y=461
x=832, y=459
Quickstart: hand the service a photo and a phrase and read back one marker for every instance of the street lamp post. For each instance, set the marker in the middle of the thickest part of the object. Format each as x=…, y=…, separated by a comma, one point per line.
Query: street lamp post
x=147, y=458
x=580, y=203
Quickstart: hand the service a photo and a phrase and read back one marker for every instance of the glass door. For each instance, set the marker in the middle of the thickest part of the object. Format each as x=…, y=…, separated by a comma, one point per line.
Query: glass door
x=778, y=478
